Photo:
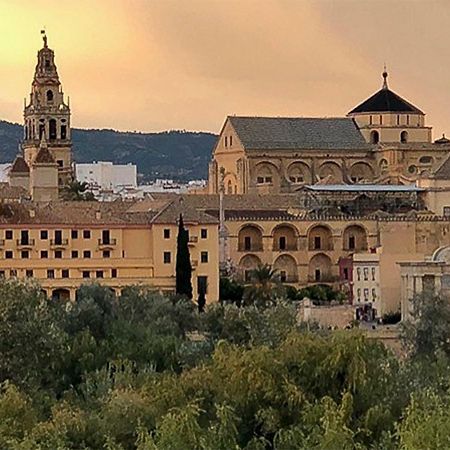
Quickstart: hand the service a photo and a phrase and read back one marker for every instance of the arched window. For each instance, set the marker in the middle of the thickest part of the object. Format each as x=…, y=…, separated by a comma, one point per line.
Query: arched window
x=63, y=132
x=49, y=96
x=426, y=160
x=374, y=137
x=229, y=187
x=404, y=137
x=52, y=128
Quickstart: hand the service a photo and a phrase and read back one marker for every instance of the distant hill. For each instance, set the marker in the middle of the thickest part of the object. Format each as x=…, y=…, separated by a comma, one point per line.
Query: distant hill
x=180, y=155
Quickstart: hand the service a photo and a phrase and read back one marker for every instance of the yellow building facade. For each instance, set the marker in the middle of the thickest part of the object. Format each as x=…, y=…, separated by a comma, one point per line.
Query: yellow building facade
x=385, y=139
x=65, y=244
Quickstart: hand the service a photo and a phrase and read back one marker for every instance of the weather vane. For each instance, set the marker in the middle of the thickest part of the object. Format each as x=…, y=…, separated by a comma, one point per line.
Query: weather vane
x=44, y=36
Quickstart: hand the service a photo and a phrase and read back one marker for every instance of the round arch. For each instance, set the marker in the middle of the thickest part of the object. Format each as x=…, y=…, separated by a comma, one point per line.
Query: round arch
x=332, y=171
x=286, y=267
x=299, y=173
x=284, y=237
x=247, y=265
x=319, y=268
x=374, y=137
x=250, y=238
x=320, y=237
x=355, y=238
x=267, y=175
x=361, y=172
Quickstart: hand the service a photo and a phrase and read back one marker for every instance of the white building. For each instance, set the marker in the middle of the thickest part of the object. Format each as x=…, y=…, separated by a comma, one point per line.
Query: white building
x=106, y=176
x=366, y=279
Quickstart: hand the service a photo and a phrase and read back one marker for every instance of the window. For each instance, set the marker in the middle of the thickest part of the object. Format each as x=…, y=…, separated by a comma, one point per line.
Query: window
x=283, y=276
x=204, y=257
x=113, y=273
x=317, y=243
x=204, y=233
x=58, y=237
x=65, y=273
x=366, y=273
x=226, y=141
x=282, y=243
x=106, y=237
x=86, y=234
x=58, y=254
x=381, y=119
x=358, y=295
x=398, y=119
x=13, y=273
x=247, y=243
x=74, y=234
x=358, y=273
x=167, y=258
x=202, y=284
x=231, y=141
x=407, y=119
x=86, y=274
x=106, y=253
x=248, y=276
x=260, y=180
x=374, y=294
x=44, y=254
x=370, y=120
x=44, y=234
x=25, y=254
x=63, y=132
x=268, y=180
x=50, y=273
x=317, y=275
x=2, y=274
x=29, y=273
x=166, y=233
x=24, y=237
x=425, y=160
x=60, y=162
x=404, y=137
x=374, y=137
x=412, y=169
x=52, y=128
x=345, y=273
x=99, y=273
x=351, y=243
x=41, y=130
x=8, y=234
x=74, y=253
x=49, y=96
x=373, y=273
x=366, y=295
x=446, y=210
x=86, y=254
x=8, y=254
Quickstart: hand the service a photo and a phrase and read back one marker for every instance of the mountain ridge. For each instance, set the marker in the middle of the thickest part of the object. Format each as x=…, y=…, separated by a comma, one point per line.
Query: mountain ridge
x=176, y=154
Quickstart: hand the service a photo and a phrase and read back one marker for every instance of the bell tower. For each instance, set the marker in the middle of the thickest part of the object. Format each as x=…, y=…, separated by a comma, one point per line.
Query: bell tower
x=47, y=116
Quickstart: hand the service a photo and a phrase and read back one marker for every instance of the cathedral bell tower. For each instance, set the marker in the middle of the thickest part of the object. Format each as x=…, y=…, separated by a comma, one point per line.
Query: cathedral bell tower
x=47, y=116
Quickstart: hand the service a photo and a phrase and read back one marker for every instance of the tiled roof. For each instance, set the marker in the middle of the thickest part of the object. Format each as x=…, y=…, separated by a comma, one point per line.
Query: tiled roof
x=285, y=133
x=385, y=101
x=443, y=172
x=8, y=192
x=44, y=156
x=19, y=166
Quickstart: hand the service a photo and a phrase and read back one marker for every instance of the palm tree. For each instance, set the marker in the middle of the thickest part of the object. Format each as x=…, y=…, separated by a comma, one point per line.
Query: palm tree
x=77, y=191
x=265, y=288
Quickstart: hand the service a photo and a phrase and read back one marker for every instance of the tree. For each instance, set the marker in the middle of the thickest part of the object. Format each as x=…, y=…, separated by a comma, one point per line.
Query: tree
x=77, y=191
x=201, y=301
x=183, y=264
x=265, y=287
x=429, y=328
x=230, y=291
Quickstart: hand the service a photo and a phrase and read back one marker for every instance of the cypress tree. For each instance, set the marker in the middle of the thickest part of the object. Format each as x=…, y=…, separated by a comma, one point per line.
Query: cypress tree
x=183, y=264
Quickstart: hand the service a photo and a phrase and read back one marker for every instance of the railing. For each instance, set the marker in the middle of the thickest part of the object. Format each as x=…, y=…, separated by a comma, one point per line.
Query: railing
x=25, y=242
x=323, y=279
x=59, y=242
x=107, y=242
x=322, y=248
x=193, y=239
x=250, y=248
x=356, y=248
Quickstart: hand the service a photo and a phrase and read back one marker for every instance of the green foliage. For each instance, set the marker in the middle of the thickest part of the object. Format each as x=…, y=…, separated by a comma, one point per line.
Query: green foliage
x=77, y=191
x=391, y=318
x=183, y=267
x=265, y=288
x=230, y=291
x=146, y=372
x=428, y=331
x=321, y=293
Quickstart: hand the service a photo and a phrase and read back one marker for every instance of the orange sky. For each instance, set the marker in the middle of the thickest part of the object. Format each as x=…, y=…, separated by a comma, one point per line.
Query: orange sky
x=151, y=65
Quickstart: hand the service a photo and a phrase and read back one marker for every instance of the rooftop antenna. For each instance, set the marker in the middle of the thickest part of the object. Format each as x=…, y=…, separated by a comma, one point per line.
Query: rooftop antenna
x=385, y=75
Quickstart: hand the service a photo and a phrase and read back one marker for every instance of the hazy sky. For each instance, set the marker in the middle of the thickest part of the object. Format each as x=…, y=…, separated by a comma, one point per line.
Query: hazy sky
x=150, y=65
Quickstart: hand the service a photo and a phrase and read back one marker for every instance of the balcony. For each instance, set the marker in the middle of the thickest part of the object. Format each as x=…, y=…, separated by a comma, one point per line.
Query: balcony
x=286, y=248
x=25, y=243
x=323, y=279
x=258, y=247
x=193, y=240
x=107, y=243
x=58, y=243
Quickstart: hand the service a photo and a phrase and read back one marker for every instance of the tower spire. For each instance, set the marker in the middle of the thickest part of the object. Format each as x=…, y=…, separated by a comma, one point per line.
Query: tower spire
x=385, y=75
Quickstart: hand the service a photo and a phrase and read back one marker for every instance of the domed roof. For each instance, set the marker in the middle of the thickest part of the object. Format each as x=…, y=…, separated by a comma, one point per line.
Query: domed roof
x=385, y=100
x=442, y=140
